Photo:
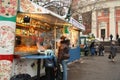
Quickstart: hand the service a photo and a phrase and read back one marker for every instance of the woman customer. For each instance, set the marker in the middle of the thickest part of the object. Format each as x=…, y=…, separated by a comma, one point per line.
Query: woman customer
x=63, y=55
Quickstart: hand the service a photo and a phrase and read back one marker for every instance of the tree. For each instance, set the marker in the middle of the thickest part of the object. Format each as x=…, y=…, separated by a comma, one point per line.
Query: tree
x=74, y=8
x=60, y=7
x=80, y=9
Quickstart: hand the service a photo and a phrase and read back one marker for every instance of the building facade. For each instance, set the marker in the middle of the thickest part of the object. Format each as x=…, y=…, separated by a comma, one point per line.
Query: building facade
x=105, y=18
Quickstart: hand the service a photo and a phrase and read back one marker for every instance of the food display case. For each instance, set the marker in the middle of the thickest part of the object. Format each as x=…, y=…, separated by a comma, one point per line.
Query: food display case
x=30, y=33
x=31, y=36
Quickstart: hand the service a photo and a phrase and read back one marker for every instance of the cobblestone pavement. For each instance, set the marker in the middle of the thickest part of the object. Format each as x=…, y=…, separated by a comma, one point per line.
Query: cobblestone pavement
x=95, y=68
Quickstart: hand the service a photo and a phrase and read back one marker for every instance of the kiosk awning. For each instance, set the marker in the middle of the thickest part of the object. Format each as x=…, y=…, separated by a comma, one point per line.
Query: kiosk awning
x=41, y=13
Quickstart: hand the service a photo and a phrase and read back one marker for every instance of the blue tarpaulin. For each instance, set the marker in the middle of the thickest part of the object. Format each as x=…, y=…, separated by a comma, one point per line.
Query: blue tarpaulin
x=74, y=54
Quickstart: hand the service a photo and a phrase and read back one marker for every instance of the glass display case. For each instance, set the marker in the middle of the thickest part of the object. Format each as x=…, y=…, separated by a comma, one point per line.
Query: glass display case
x=31, y=34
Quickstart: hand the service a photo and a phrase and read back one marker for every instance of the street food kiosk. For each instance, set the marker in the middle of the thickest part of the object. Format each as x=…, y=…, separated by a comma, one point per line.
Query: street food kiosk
x=33, y=29
x=21, y=29
x=18, y=35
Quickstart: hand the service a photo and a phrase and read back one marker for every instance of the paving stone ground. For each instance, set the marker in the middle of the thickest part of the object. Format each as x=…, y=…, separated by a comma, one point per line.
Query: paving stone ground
x=95, y=68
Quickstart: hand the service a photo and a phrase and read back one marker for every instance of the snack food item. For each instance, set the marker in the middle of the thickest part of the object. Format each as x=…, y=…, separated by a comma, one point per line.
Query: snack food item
x=24, y=49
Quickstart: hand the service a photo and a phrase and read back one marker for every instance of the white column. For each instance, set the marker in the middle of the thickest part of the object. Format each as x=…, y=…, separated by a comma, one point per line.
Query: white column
x=112, y=25
x=94, y=24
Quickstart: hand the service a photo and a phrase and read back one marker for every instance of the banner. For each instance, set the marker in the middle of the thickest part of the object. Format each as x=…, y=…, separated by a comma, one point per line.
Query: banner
x=76, y=24
x=8, y=11
x=66, y=29
x=31, y=8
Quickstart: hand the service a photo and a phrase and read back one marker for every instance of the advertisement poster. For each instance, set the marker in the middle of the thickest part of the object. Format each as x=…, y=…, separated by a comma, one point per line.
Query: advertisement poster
x=32, y=7
x=8, y=11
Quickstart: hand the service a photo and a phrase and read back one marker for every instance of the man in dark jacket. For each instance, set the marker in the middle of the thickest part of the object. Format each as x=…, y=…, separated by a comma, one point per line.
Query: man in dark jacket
x=111, y=36
x=117, y=36
x=101, y=50
x=119, y=41
x=92, y=48
x=113, y=50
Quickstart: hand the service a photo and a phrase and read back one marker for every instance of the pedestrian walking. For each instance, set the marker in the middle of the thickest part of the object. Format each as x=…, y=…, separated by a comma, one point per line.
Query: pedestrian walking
x=101, y=50
x=103, y=37
x=92, y=48
x=117, y=36
x=111, y=37
x=113, y=51
x=86, y=49
x=96, y=49
x=119, y=41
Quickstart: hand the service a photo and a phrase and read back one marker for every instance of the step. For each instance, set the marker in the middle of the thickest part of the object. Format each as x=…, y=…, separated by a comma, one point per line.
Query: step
x=107, y=48
x=108, y=43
